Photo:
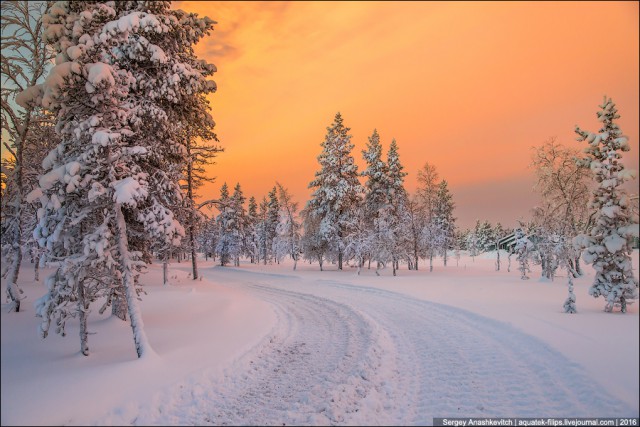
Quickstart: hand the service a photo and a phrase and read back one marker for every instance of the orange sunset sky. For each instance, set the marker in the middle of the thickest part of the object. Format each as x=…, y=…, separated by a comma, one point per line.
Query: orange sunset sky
x=467, y=87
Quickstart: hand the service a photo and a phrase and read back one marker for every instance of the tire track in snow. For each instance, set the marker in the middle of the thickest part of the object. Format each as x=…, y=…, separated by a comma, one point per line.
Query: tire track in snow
x=323, y=364
x=465, y=364
x=343, y=354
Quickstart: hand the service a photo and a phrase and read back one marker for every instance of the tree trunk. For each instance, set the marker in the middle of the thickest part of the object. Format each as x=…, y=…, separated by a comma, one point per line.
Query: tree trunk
x=578, y=268
x=430, y=262
x=137, y=326
x=165, y=270
x=194, y=260
x=445, y=257
x=83, y=309
x=36, y=269
x=118, y=303
x=13, y=290
x=339, y=259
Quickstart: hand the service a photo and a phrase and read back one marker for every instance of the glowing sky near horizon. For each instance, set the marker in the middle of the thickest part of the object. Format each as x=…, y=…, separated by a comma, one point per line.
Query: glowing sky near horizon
x=467, y=87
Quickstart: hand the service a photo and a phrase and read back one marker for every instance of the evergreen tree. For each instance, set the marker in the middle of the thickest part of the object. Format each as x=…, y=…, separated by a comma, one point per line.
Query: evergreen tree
x=251, y=231
x=271, y=225
x=263, y=231
x=522, y=248
x=398, y=217
x=609, y=245
x=120, y=88
x=483, y=232
x=570, y=303
x=444, y=219
x=239, y=221
x=471, y=241
x=229, y=242
x=336, y=194
x=376, y=188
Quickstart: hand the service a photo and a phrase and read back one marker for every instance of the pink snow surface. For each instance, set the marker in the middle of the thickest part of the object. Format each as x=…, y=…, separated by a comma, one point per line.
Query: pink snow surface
x=264, y=344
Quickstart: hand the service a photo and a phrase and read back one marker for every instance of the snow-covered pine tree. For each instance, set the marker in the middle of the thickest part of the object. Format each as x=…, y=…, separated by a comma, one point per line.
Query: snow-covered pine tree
x=237, y=204
x=229, y=242
x=119, y=89
x=444, y=219
x=522, y=248
x=25, y=61
x=471, y=241
x=271, y=225
x=609, y=244
x=397, y=198
x=262, y=228
x=375, y=199
x=336, y=187
x=251, y=231
x=483, y=232
x=570, y=303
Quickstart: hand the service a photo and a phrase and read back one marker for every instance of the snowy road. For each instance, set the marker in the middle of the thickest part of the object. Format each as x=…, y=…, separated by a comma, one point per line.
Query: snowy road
x=343, y=354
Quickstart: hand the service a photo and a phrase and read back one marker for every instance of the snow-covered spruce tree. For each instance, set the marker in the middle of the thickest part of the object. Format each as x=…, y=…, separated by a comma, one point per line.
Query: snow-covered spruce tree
x=271, y=224
x=397, y=198
x=288, y=229
x=609, y=244
x=237, y=205
x=570, y=303
x=375, y=200
x=262, y=227
x=444, y=219
x=522, y=248
x=229, y=242
x=336, y=187
x=25, y=60
x=471, y=242
x=483, y=232
x=119, y=89
x=251, y=231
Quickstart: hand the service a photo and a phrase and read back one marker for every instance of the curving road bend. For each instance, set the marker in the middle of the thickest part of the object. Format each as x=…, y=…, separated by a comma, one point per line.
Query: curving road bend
x=349, y=355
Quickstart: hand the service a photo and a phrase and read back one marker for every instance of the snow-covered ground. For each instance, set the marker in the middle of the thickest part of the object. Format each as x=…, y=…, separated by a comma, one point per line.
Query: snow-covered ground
x=266, y=345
